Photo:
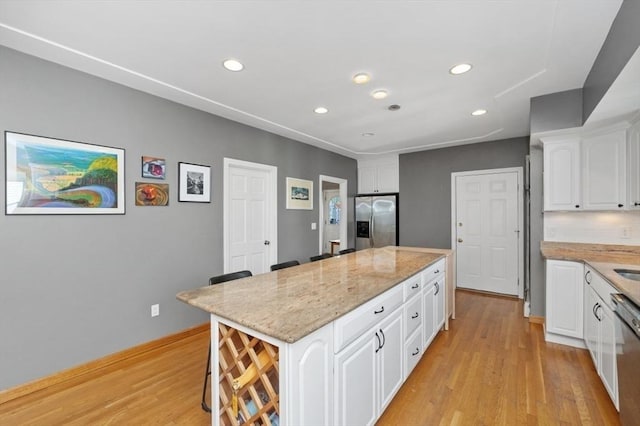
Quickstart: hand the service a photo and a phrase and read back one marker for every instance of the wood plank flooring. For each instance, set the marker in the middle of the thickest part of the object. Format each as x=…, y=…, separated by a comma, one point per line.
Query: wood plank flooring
x=491, y=368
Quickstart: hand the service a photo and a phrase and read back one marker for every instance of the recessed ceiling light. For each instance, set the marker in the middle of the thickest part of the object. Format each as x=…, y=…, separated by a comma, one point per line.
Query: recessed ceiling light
x=479, y=112
x=361, y=78
x=321, y=110
x=368, y=134
x=232, y=65
x=379, y=94
x=460, y=69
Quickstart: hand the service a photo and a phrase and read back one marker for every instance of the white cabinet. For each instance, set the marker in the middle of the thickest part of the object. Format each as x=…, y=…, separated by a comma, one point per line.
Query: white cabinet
x=586, y=172
x=379, y=175
x=562, y=174
x=369, y=372
x=564, y=302
x=634, y=166
x=599, y=329
x=604, y=171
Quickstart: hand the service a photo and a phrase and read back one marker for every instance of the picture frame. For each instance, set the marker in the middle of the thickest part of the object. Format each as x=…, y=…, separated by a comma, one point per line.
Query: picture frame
x=153, y=167
x=299, y=194
x=152, y=194
x=48, y=176
x=194, y=183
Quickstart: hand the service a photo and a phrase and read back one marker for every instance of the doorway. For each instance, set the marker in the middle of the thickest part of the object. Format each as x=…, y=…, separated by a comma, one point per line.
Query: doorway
x=333, y=214
x=250, y=231
x=486, y=223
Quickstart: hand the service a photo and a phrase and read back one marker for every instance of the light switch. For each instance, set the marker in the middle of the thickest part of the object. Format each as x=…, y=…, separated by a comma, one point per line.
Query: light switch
x=314, y=226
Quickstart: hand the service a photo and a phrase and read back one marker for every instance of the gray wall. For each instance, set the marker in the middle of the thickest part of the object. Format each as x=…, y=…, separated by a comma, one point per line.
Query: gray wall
x=76, y=288
x=425, y=185
x=559, y=110
x=621, y=43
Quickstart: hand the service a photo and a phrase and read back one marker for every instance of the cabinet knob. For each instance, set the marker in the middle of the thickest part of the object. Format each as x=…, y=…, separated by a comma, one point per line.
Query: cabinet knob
x=459, y=240
x=636, y=204
x=620, y=205
x=577, y=206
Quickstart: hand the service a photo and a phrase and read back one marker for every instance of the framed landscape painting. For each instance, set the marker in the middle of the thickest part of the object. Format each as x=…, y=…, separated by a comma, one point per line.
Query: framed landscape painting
x=299, y=194
x=55, y=176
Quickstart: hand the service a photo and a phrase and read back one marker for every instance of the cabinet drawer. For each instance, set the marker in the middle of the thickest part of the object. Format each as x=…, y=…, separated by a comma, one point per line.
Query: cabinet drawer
x=412, y=315
x=355, y=323
x=433, y=271
x=412, y=352
x=412, y=286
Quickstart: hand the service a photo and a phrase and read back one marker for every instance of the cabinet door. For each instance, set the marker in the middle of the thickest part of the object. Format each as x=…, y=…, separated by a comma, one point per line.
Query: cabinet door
x=634, y=167
x=591, y=326
x=356, y=382
x=366, y=179
x=390, y=359
x=604, y=170
x=565, y=298
x=439, y=291
x=562, y=175
x=428, y=318
x=608, y=362
x=387, y=177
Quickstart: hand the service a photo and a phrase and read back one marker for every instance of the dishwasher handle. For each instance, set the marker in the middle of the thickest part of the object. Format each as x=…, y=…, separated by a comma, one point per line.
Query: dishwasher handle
x=627, y=311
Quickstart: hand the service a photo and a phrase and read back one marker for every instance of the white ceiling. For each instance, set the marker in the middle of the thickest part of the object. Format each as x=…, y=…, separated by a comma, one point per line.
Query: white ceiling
x=301, y=54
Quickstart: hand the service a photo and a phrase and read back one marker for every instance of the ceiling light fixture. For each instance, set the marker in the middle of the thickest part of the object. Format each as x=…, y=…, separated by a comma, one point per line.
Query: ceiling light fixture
x=379, y=94
x=233, y=65
x=460, y=69
x=479, y=112
x=321, y=110
x=361, y=78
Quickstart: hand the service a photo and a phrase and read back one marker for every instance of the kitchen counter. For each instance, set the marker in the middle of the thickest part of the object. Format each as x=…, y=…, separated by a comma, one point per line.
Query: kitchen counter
x=291, y=303
x=604, y=258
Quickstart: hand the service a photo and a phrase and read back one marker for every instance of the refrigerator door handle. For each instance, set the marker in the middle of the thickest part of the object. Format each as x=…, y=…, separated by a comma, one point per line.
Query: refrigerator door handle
x=373, y=227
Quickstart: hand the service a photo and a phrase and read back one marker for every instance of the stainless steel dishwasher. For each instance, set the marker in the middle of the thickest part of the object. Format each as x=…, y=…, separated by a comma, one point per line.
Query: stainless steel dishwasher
x=628, y=358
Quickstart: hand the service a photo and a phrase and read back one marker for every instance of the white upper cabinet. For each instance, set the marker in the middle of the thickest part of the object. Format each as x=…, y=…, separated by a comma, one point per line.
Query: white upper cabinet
x=587, y=172
x=379, y=175
x=634, y=166
x=604, y=181
x=562, y=174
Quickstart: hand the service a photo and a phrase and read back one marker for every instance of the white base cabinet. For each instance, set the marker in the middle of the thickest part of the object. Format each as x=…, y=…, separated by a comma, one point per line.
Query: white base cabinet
x=599, y=330
x=564, y=303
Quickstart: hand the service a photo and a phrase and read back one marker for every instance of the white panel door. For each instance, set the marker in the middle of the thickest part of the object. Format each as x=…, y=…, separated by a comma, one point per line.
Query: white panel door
x=249, y=220
x=487, y=232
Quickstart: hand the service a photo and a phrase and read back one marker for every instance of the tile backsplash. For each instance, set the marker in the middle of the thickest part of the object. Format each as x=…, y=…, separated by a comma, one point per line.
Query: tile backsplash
x=593, y=227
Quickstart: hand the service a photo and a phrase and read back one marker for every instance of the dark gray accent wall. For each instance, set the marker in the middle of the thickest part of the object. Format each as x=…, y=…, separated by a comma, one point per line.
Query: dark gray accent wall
x=76, y=288
x=555, y=111
x=619, y=46
x=425, y=185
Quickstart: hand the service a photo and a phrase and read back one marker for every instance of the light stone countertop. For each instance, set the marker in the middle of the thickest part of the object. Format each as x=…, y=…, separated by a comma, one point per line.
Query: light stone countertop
x=604, y=258
x=291, y=303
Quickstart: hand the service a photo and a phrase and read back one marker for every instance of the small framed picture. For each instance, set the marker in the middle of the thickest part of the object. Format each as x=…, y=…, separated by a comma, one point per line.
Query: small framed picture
x=153, y=168
x=299, y=194
x=194, y=183
x=152, y=194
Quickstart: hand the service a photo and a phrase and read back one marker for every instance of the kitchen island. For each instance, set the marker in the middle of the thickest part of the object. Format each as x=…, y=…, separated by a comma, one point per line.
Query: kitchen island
x=294, y=341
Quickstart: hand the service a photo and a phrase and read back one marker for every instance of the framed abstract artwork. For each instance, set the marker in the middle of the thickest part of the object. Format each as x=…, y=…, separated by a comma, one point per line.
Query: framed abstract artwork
x=55, y=176
x=194, y=183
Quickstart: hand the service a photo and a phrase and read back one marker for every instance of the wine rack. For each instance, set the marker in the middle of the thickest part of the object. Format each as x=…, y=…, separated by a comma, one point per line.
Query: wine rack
x=252, y=365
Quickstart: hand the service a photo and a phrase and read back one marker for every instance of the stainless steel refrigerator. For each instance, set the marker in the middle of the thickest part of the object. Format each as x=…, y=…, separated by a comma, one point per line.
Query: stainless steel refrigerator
x=376, y=220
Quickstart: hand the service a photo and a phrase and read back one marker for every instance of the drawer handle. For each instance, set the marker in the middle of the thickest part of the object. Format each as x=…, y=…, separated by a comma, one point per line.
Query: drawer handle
x=416, y=285
x=384, y=339
x=437, y=286
x=437, y=271
x=380, y=311
x=379, y=345
x=587, y=277
x=414, y=316
x=416, y=352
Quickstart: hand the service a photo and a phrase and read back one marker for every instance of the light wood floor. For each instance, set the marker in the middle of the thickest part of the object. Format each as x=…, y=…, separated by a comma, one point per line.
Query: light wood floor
x=491, y=368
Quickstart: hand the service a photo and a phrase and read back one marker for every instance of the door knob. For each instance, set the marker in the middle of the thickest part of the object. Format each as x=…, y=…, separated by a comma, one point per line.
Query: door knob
x=459, y=240
x=267, y=242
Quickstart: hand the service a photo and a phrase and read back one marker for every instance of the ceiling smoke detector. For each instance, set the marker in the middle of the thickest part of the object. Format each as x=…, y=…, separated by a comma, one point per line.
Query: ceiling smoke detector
x=393, y=107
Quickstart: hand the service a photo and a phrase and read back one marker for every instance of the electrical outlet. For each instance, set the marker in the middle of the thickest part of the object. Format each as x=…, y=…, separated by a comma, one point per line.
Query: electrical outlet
x=626, y=232
x=155, y=310
x=313, y=226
